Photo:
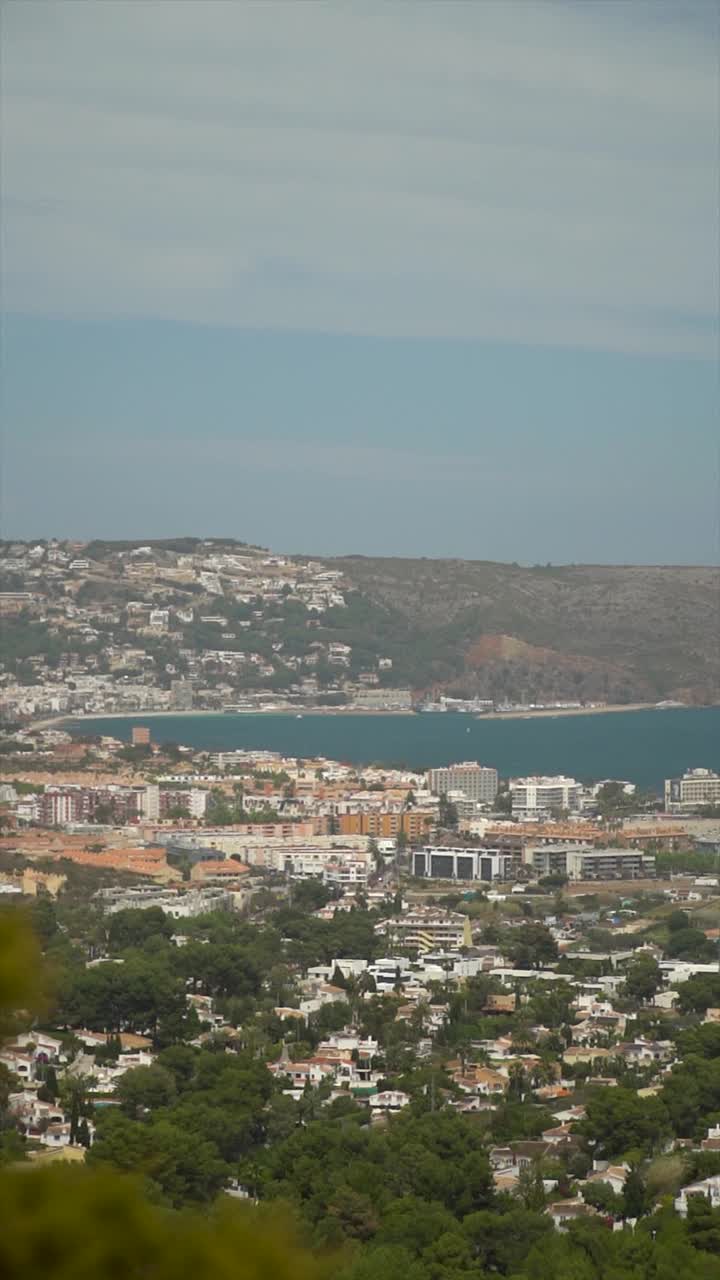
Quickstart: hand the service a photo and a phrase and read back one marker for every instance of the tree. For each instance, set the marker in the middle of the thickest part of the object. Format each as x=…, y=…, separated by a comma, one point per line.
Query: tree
x=702, y=1041
x=133, y=926
x=186, y=1167
x=617, y=1120
x=83, y=1134
x=91, y=1222
x=501, y=1242
x=530, y=1187
x=692, y=1093
x=601, y=1196
x=678, y=920
x=690, y=944
x=75, y=1102
x=50, y=1083
x=635, y=1197
x=447, y=813
x=43, y=918
x=699, y=993
x=532, y=947
x=643, y=977
x=703, y=1224
x=145, y=1089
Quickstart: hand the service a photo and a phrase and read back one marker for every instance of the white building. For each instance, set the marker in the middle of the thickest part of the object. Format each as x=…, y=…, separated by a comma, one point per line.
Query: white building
x=708, y=1187
x=536, y=795
x=695, y=788
x=426, y=929
x=438, y=862
x=477, y=782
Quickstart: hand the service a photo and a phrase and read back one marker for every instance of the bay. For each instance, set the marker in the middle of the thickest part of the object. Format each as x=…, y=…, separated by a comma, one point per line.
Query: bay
x=641, y=746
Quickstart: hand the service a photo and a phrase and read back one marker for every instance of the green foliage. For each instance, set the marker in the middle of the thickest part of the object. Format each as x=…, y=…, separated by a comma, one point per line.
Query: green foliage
x=617, y=1120
x=702, y=1041
x=134, y=926
x=137, y=995
x=43, y=918
x=699, y=993
x=145, y=1089
x=532, y=947
x=691, y=944
x=635, y=1194
x=692, y=1093
x=643, y=977
x=68, y=1223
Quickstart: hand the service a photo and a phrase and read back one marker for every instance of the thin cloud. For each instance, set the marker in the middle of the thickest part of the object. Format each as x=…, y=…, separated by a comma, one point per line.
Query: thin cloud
x=536, y=173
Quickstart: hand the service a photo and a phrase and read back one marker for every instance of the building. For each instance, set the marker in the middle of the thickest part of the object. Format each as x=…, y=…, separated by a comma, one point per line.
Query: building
x=60, y=806
x=582, y=863
x=543, y=795
x=384, y=699
x=414, y=823
x=140, y=736
x=696, y=787
x=477, y=782
x=217, y=869
x=437, y=862
x=708, y=1187
x=195, y=902
x=181, y=695
x=426, y=930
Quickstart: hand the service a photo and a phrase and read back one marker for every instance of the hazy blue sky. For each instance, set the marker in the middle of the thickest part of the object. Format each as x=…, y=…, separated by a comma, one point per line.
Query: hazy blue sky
x=435, y=279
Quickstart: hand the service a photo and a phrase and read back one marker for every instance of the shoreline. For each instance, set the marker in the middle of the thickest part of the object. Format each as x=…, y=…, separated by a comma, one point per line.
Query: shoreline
x=538, y=713
x=554, y=713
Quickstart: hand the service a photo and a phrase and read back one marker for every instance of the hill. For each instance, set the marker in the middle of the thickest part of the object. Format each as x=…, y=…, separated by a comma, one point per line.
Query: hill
x=243, y=622
x=618, y=633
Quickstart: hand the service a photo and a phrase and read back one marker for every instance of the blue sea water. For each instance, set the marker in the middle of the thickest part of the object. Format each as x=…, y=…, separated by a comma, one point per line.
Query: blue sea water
x=641, y=746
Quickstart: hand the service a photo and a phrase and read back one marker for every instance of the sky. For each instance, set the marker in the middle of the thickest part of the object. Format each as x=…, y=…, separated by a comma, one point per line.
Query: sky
x=415, y=279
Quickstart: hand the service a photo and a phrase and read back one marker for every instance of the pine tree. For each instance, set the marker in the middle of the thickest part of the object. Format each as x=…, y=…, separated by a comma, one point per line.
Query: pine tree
x=634, y=1194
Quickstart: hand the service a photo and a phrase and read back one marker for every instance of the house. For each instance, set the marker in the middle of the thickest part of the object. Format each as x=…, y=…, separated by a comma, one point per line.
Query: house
x=390, y=1100
x=645, y=1053
x=584, y=1053
x=564, y=1211
x=613, y=1174
x=560, y=1133
x=501, y=1158
x=712, y=1141
x=708, y=1187
x=489, y=1082
x=56, y=1135
x=499, y=1003
x=27, y=1107
x=45, y=1048
x=21, y=1063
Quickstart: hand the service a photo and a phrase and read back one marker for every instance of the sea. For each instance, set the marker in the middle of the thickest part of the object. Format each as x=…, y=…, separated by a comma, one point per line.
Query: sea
x=643, y=747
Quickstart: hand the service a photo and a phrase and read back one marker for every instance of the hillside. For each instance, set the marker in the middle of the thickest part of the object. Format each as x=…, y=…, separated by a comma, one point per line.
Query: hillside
x=619, y=633
x=241, y=622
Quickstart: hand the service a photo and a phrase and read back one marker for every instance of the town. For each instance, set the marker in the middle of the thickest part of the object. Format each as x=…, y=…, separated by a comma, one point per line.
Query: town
x=189, y=624
x=259, y=957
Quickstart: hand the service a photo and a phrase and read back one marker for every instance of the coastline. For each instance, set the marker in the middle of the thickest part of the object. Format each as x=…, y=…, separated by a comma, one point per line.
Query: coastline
x=538, y=713
x=553, y=713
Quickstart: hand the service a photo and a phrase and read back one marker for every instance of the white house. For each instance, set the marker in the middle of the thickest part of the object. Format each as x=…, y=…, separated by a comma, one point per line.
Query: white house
x=709, y=1187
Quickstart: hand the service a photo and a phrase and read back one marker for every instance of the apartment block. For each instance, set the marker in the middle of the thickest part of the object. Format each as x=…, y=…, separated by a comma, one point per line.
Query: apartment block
x=415, y=824
x=539, y=794
x=696, y=787
x=581, y=863
x=477, y=782
x=438, y=862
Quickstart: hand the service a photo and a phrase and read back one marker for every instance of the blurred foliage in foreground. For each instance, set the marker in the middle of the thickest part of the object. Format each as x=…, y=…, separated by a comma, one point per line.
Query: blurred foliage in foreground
x=70, y=1223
